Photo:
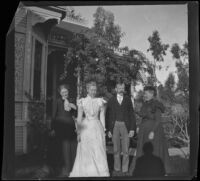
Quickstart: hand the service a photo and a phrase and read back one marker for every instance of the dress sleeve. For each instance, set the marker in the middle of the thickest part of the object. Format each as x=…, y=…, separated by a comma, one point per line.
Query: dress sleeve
x=80, y=115
x=80, y=104
x=102, y=112
x=101, y=102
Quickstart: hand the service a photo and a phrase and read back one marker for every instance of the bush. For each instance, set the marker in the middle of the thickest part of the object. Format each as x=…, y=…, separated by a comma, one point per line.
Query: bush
x=37, y=125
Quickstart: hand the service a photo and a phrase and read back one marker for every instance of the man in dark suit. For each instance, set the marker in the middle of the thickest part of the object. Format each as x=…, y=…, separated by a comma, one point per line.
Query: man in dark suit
x=121, y=126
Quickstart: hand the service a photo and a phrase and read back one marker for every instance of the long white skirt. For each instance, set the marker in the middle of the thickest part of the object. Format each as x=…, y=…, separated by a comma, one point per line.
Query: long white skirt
x=91, y=159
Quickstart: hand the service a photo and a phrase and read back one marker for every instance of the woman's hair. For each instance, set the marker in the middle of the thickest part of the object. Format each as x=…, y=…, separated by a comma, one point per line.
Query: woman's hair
x=151, y=88
x=63, y=86
x=90, y=83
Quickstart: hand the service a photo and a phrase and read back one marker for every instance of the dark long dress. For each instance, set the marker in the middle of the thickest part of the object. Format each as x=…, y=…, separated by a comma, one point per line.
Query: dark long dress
x=151, y=121
x=65, y=139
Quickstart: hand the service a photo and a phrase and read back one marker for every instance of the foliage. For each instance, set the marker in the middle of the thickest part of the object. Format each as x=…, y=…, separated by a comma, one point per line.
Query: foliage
x=177, y=127
x=176, y=99
x=175, y=50
x=70, y=12
x=36, y=112
x=37, y=124
x=94, y=52
x=105, y=27
x=167, y=92
x=179, y=53
x=97, y=61
x=158, y=50
x=182, y=65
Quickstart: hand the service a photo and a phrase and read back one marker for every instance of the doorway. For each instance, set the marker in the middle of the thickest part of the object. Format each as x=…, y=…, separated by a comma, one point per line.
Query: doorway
x=55, y=67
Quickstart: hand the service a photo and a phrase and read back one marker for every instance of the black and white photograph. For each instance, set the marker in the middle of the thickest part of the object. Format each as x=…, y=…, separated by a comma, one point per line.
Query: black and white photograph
x=102, y=91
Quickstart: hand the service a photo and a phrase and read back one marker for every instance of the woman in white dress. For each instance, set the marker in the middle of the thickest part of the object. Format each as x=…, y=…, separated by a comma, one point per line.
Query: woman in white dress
x=91, y=159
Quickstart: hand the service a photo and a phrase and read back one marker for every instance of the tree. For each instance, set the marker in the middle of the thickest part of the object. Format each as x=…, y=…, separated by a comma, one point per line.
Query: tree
x=169, y=87
x=95, y=56
x=167, y=92
x=182, y=65
x=178, y=112
x=96, y=60
x=158, y=50
x=105, y=27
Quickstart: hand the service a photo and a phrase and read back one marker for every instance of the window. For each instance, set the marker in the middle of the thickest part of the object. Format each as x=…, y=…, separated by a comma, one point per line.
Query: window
x=37, y=70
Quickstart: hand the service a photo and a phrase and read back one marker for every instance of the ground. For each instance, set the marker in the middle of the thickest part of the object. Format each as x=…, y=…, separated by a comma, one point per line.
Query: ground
x=26, y=165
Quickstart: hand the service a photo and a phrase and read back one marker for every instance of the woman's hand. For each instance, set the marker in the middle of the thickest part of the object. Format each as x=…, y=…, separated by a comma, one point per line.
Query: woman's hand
x=72, y=106
x=131, y=133
x=151, y=135
x=109, y=134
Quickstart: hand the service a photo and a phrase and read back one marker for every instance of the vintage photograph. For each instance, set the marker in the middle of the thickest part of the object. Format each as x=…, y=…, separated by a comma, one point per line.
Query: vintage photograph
x=101, y=91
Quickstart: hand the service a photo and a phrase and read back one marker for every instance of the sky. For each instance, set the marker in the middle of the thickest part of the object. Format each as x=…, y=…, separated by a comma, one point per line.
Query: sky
x=139, y=21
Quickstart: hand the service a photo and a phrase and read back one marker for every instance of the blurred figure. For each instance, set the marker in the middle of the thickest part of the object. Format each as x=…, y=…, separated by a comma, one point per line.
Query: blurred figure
x=63, y=126
x=62, y=143
x=149, y=165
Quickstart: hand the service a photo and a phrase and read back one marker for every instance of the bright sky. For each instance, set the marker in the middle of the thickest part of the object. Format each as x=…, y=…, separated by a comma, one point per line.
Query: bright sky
x=139, y=21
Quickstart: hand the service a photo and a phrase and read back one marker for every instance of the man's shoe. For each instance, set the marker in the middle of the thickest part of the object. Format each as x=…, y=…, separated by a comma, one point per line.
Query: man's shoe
x=126, y=174
x=63, y=175
x=116, y=173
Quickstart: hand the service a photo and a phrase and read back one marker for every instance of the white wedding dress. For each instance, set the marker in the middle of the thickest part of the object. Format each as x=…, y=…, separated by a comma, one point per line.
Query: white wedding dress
x=91, y=159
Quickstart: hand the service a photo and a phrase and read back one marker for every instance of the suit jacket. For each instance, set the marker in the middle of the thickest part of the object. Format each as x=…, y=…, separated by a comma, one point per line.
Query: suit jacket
x=128, y=113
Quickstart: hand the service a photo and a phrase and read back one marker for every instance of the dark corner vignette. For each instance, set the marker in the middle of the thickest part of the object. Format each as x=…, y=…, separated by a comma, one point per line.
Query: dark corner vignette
x=46, y=108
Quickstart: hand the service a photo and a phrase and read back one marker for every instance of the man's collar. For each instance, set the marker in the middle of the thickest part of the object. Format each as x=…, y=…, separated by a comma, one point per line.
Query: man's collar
x=118, y=95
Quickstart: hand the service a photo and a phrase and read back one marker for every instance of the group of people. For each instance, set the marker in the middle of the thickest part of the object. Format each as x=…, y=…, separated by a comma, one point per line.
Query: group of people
x=82, y=140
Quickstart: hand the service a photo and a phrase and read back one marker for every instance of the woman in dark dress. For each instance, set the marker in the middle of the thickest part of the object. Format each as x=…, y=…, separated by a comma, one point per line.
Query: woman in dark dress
x=64, y=128
x=151, y=129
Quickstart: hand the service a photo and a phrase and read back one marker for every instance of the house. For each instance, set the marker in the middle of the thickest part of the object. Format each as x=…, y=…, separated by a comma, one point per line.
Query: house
x=41, y=36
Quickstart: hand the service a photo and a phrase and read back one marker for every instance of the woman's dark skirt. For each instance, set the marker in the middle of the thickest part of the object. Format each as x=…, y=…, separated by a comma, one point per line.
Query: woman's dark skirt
x=159, y=143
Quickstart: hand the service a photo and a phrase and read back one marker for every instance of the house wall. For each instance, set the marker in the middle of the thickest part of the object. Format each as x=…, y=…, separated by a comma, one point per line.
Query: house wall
x=25, y=37
x=20, y=44
x=26, y=34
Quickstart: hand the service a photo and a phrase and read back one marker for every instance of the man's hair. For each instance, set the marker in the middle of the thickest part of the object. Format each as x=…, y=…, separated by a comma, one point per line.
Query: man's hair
x=119, y=82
